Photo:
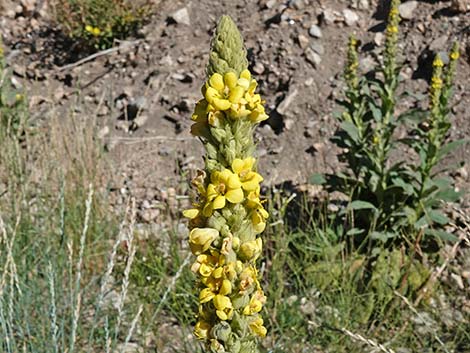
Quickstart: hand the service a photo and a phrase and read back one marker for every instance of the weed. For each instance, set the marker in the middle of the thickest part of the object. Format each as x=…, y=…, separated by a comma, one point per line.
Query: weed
x=98, y=23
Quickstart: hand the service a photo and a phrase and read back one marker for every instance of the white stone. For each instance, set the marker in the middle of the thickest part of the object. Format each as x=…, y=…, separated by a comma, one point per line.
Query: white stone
x=181, y=16
x=350, y=17
x=407, y=9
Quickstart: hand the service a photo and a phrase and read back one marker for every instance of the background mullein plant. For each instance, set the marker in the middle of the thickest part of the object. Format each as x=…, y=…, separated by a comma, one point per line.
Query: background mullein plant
x=393, y=201
x=228, y=214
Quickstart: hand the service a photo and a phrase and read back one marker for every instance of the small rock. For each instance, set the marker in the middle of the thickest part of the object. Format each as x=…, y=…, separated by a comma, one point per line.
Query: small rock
x=289, y=123
x=328, y=16
x=258, y=68
x=407, y=9
x=458, y=280
x=318, y=48
x=460, y=6
x=350, y=17
x=104, y=131
x=28, y=6
x=122, y=125
x=297, y=4
x=138, y=122
x=181, y=16
x=312, y=57
x=439, y=43
x=303, y=41
x=315, y=31
x=379, y=39
x=19, y=70
x=286, y=102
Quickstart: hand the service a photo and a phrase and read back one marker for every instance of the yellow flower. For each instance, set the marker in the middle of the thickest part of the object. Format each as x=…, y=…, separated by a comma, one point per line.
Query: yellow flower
x=215, y=92
x=223, y=306
x=200, y=239
x=244, y=168
x=455, y=55
x=201, y=330
x=248, y=277
x=256, y=303
x=258, y=219
x=204, y=265
x=256, y=325
x=89, y=29
x=226, y=287
x=224, y=186
x=206, y=295
x=250, y=250
x=438, y=62
x=96, y=31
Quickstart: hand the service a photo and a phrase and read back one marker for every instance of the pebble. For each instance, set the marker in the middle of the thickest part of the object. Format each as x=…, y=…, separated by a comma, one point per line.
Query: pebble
x=379, y=39
x=315, y=31
x=407, y=9
x=303, y=41
x=258, y=68
x=350, y=17
x=460, y=6
x=138, y=122
x=286, y=102
x=312, y=57
x=328, y=16
x=318, y=48
x=181, y=16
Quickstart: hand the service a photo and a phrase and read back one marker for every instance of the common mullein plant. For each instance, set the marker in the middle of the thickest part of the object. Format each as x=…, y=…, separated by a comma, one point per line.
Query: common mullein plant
x=228, y=214
x=391, y=199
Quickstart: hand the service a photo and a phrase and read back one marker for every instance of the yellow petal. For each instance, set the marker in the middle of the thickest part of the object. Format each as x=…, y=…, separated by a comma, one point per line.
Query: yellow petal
x=205, y=270
x=236, y=94
x=233, y=181
x=234, y=196
x=211, y=94
x=191, y=213
x=221, y=302
x=219, y=202
x=201, y=329
x=221, y=315
x=226, y=287
x=237, y=165
x=245, y=74
x=217, y=82
x=230, y=79
x=206, y=295
x=221, y=104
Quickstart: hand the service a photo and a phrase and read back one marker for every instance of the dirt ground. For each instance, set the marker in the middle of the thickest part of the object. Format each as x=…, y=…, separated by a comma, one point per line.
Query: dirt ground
x=140, y=97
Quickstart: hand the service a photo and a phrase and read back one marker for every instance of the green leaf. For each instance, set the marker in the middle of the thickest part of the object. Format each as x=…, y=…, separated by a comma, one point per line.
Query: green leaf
x=382, y=236
x=317, y=179
x=376, y=112
x=355, y=231
x=361, y=205
x=351, y=130
x=438, y=217
x=442, y=235
x=450, y=147
x=422, y=222
x=449, y=195
x=413, y=116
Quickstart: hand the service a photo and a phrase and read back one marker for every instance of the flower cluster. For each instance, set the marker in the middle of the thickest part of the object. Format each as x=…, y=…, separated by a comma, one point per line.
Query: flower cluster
x=95, y=31
x=227, y=97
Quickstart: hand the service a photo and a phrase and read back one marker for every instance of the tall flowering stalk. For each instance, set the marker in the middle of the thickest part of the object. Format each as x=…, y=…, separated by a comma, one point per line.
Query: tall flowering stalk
x=228, y=214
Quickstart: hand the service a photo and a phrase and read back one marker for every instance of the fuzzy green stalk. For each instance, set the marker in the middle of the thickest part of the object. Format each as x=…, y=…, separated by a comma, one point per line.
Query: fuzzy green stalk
x=350, y=71
x=228, y=214
x=228, y=52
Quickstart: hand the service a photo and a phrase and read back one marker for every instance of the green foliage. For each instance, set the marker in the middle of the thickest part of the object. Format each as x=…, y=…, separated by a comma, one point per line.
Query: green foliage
x=98, y=23
x=393, y=199
x=13, y=105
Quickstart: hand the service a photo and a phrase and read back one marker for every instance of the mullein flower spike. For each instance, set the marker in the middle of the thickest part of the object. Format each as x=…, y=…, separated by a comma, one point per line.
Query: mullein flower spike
x=228, y=215
x=391, y=41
